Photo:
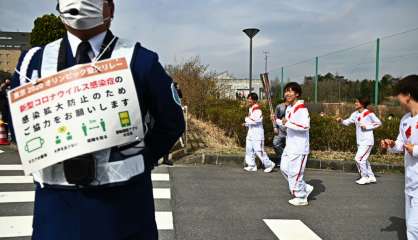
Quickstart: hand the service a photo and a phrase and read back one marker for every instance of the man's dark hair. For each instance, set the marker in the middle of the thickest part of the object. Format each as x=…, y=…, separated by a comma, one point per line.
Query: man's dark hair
x=408, y=86
x=253, y=96
x=364, y=100
x=294, y=86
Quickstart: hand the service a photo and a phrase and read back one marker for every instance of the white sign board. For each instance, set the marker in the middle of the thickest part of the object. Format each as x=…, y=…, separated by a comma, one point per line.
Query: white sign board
x=77, y=111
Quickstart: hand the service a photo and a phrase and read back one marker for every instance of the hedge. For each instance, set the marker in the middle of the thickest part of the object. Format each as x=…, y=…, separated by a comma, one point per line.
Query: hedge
x=325, y=133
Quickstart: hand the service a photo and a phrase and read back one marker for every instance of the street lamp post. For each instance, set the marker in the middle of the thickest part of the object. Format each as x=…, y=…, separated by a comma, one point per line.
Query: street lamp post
x=251, y=32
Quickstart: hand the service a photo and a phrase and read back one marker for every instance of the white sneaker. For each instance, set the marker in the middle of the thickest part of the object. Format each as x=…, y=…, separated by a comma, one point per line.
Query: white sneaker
x=363, y=181
x=251, y=169
x=298, y=202
x=372, y=179
x=269, y=169
x=309, y=189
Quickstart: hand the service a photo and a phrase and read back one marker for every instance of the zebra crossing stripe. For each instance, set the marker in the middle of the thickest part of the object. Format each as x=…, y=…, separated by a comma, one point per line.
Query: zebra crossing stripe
x=21, y=226
x=164, y=220
x=160, y=177
x=17, y=197
x=29, y=196
x=28, y=179
x=15, y=179
x=10, y=167
x=290, y=229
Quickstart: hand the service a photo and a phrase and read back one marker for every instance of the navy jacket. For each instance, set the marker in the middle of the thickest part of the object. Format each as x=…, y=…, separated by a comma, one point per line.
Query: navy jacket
x=155, y=95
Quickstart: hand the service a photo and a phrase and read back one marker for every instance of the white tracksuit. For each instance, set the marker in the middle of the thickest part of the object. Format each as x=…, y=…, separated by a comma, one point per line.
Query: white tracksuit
x=408, y=134
x=295, y=154
x=255, y=138
x=365, y=138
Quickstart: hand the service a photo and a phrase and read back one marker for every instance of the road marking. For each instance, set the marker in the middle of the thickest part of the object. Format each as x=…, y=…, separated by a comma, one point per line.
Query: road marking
x=1, y=151
x=10, y=167
x=290, y=229
x=22, y=226
x=160, y=177
x=164, y=220
x=161, y=193
x=29, y=196
x=15, y=226
x=15, y=179
x=29, y=179
x=17, y=197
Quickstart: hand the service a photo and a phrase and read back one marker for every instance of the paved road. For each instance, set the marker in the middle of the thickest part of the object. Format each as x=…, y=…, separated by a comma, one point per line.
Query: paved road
x=17, y=196
x=227, y=203
x=212, y=202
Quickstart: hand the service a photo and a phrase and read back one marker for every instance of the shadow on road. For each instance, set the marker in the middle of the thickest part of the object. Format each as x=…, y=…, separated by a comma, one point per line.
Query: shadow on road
x=397, y=225
x=318, y=188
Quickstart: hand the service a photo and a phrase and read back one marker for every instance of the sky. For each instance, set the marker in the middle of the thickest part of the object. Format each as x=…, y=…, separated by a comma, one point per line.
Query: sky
x=291, y=31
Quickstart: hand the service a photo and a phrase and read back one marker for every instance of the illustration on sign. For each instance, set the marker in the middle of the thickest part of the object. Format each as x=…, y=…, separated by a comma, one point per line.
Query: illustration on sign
x=63, y=131
x=34, y=144
x=93, y=125
x=125, y=120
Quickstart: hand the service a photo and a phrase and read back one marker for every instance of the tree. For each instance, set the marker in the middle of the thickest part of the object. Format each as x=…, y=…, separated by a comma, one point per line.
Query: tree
x=47, y=28
x=196, y=83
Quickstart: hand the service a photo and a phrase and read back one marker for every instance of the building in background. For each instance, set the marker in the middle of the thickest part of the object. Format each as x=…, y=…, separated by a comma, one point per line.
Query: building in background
x=234, y=88
x=11, y=46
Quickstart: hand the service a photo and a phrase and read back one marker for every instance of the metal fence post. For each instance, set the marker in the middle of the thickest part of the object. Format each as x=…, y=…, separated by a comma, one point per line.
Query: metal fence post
x=376, y=84
x=316, y=79
x=282, y=84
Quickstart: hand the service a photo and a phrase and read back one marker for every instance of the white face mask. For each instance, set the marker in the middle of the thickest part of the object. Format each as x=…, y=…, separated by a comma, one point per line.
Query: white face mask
x=81, y=14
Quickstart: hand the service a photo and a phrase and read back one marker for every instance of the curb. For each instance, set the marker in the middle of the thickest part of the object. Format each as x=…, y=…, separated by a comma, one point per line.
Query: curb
x=238, y=161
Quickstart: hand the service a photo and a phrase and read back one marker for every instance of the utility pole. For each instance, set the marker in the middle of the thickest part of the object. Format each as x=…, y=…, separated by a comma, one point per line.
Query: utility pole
x=266, y=57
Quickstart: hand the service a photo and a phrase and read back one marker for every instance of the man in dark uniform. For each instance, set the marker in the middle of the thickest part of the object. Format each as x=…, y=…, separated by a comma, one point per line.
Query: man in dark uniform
x=279, y=139
x=71, y=208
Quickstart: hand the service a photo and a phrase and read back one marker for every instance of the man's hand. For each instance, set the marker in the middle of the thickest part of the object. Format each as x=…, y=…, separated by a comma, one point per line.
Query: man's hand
x=409, y=148
x=276, y=131
x=273, y=118
x=387, y=143
x=284, y=121
x=4, y=85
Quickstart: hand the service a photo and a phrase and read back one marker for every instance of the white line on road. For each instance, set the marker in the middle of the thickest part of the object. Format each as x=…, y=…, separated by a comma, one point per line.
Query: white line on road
x=1, y=151
x=17, y=197
x=290, y=229
x=10, y=167
x=161, y=193
x=164, y=220
x=15, y=179
x=160, y=177
x=29, y=179
x=22, y=226
x=15, y=226
x=29, y=196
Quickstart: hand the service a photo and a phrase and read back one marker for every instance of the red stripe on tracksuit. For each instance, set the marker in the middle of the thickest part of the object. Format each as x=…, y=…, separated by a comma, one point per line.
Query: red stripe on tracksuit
x=255, y=107
x=300, y=106
x=370, y=148
x=299, y=173
x=361, y=159
x=299, y=125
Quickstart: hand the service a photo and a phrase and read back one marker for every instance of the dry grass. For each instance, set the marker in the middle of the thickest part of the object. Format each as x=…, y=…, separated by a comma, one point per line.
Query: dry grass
x=213, y=137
